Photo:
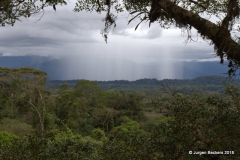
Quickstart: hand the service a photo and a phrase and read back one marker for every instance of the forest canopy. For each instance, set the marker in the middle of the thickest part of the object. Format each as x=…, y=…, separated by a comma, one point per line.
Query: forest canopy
x=87, y=122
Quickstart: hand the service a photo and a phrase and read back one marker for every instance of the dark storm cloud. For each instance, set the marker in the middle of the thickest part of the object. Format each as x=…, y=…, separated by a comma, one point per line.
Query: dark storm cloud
x=193, y=53
x=25, y=41
x=54, y=31
x=72, y=21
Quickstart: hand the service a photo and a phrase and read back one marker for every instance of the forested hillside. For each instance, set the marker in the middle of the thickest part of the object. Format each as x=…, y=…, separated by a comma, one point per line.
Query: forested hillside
x=87, y=122
x=206, y=83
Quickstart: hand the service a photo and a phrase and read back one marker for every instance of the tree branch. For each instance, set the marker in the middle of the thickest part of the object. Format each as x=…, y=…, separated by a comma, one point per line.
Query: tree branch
x=198, y=4
x=39, y=115
x=232, y=12
x=220, y=37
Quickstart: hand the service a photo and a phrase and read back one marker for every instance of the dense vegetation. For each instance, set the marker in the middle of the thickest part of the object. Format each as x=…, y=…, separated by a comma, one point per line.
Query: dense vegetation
x=87, y=122
x=206, y=83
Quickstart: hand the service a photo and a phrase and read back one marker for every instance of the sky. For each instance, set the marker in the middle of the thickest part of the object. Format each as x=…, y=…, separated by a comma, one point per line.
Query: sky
x=75, y=37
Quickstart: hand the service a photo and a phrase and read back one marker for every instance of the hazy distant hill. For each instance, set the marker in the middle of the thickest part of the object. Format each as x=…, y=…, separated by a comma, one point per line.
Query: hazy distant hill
x=62, y=69
x=53, y=67
x=207, y=68
x=204, y=83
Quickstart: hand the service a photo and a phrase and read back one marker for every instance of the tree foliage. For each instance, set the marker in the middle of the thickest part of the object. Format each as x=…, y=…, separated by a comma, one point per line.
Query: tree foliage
x=32, y=147
x=12, y=10
x=23, y=90
x=16, y=127
x=195, y=123
x=89, y=123
x=7, y=139
x=127, y=128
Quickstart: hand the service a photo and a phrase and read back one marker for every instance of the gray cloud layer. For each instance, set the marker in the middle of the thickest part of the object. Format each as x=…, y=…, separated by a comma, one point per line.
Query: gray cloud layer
x=77, y=35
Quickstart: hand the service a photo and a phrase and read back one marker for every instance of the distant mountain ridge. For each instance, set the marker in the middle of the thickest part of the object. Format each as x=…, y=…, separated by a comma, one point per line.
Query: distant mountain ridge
x=53, y=67
x=63, y=68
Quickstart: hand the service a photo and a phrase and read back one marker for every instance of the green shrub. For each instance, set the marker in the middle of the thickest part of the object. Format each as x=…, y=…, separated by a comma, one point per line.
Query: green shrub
x=35, y=148
x=98, y=134
x=7, y=139
x=126, y=129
